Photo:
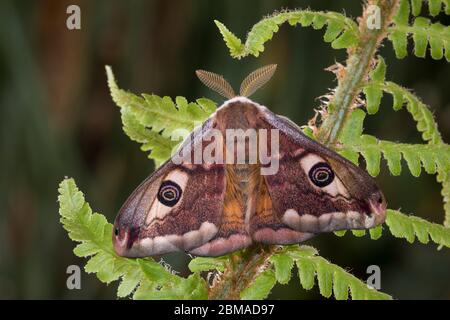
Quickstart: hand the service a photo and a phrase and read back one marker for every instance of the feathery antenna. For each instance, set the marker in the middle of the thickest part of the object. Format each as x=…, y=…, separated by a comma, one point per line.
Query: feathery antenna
x=257, y=79
x=251, y=83
x=216, y=82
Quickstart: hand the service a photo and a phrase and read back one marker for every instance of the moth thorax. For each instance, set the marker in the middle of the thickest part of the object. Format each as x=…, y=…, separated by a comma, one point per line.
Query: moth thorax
x=242, y=172
x=246, y=177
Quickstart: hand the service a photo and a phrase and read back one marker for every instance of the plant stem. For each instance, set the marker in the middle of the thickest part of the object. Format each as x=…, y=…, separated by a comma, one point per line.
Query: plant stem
x=240, y=272
x=244, y=267
x=358, y=66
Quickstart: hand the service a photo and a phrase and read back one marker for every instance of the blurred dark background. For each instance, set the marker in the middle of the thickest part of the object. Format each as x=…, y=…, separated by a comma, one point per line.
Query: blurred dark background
x=57, y=119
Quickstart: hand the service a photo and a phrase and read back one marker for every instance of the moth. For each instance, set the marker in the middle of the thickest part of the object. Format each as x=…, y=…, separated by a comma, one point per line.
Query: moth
x=211, y=207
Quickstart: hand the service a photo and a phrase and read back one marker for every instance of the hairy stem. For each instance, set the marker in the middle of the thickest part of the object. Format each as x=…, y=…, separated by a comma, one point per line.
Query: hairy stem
x=245, y=266
x=358, y=65
x=240, y=272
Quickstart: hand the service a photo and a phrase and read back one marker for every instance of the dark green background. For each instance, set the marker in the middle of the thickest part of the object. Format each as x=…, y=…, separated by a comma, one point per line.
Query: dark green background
x=57, y=119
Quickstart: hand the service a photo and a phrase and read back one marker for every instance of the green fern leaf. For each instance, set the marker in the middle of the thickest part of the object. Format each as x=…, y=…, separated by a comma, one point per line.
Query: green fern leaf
x=424, y=33
x=399, y=38
x=372, y=92
x=94, y=234
x=158, y=123
x=206, y=263
x=401, y=96
x=160, y=147
x=130, y=280
x=444, y=179
x=192, y=288
x=261, y=286
x=233, y=43
x=434, y=6
x=341, y=31
x=331, y=279
x=419, y=111
x=410, y=227
x=416, y=6
x=283, y=265
x=306, y=273
x=375, y=233
x=433, y=157
x=402, y=16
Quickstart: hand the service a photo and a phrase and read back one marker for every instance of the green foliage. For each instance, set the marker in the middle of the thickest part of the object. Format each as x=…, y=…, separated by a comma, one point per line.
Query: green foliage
x=432, y=157
x=401, y=97
x=444, y=179
x=160, y=124
x=410, y=227
x=147, y=279
x=423, y=32
x=331, y=279
x=206, y=264
x=159, y=146
x=261, y=286
x=341, y=31
x=434, y=6
x=94, y=233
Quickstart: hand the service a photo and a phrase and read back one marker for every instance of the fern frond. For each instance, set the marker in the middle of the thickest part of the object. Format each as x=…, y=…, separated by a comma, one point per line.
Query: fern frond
x=375, y=233
x=372, y=89
x=331, y=279
x=410, y=227
x=94, y=235
x=424, y=33
x=434, y=6
x=193, y=287
x=207, y=263
x=341, y=31
x=419, y=111
x=444, y=179
x=432, y=157
x=401, y=96
x=261, y=286
x=158, y=123
x=160, y=147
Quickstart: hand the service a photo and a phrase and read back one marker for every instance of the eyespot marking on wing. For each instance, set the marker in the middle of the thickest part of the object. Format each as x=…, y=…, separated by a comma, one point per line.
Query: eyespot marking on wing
x=321, y=176
x=170, y=194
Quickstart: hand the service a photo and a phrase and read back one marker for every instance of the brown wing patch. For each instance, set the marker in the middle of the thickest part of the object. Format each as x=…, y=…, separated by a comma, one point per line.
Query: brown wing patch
x=265, y=225
x=351, y=200
x=232, y=234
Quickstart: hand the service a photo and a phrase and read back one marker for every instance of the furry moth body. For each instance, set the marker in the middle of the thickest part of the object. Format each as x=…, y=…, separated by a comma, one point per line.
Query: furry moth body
x=213, y=208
